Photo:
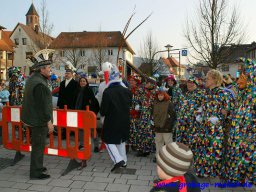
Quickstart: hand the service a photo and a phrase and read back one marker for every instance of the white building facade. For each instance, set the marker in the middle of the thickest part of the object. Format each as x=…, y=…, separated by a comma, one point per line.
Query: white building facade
x=86, y=53
x=28, y=40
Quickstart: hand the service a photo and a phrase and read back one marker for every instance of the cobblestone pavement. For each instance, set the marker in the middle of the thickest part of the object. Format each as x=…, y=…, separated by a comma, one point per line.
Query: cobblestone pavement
x=96, y=177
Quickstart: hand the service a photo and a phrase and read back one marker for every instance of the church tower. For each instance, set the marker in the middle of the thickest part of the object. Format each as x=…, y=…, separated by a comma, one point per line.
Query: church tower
x=32, y=18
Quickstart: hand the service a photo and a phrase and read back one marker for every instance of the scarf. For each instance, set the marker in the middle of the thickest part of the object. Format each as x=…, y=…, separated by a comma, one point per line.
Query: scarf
x=181, y=179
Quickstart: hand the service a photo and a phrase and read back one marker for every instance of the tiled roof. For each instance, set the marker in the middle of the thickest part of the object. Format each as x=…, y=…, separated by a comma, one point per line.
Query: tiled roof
x=1, y=27
x=32, y=10
x=89, y=40
x=6, y=43
x=253, y=47
x=137, y=70
x=38, y=38
x=231, y=54
x=172, y=62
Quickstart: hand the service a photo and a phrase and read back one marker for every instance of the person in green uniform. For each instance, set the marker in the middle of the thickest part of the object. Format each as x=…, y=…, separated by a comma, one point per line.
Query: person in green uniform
x=37, y=111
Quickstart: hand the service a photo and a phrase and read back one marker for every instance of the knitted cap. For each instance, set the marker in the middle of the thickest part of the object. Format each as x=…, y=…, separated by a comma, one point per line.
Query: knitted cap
x=193, y=80
x=174, y=159
x=54, y=77
x=171, y=77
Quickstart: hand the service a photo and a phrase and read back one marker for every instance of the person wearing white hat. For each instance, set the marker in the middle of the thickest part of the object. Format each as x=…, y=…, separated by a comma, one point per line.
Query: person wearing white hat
x=115, y=107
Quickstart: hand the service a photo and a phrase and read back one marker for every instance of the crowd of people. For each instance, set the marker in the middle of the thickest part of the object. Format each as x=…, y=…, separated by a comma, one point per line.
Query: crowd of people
x=215, y=118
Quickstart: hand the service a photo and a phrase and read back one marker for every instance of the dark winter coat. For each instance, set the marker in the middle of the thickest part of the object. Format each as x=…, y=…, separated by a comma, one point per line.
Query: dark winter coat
x=115, y=106
x=37, y=101
x=164, y=116
x=85, y=97
x=191, y=181
x=67, y=95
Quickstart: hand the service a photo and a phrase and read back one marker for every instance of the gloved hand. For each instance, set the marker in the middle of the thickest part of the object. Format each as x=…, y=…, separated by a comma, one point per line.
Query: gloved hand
x=199, y=118
x=214, y=120
x=137, y=107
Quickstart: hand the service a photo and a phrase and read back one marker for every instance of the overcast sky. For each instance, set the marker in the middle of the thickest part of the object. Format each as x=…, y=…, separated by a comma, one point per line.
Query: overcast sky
x=166, y=24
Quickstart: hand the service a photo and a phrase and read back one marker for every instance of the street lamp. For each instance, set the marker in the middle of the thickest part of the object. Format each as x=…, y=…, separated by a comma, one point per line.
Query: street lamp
x=168, y=47
x=179, y=73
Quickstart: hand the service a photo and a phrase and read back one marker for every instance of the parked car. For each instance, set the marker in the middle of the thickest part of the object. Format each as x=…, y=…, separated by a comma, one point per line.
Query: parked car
x=55, y=93
x=93, y=86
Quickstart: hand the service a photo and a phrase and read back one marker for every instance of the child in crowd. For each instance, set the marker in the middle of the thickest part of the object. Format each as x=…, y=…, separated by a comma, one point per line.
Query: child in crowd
x=173, y=162
x=164, y=117
x=4, y=94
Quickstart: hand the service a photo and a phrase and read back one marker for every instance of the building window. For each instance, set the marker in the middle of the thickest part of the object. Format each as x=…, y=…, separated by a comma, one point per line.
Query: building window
x=62, y=53
x=16, y=41
x=28, y=55
x=82, y=53
x=225, y=68
x=10, y=56
x=1, y=54
x=24, y=41
x=110, y=52
x=82, y=66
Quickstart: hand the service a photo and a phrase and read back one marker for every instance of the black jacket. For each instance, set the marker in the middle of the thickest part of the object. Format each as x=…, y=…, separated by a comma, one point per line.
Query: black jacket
x=67, y=95
x=115, y=106
x=85, y=96
x=191, y=181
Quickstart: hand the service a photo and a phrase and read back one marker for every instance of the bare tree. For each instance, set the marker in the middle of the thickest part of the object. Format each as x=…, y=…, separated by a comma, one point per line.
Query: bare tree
x=210, y=37
x=76, y=56
x=148, y=52
x=99, y=52
x=46, y=27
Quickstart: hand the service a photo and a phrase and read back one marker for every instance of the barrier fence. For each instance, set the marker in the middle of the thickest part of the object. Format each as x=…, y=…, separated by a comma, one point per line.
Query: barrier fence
x=16, y=136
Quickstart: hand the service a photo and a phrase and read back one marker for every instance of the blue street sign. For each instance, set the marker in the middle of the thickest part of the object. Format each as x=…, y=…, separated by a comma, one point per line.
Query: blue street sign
x=184, y=52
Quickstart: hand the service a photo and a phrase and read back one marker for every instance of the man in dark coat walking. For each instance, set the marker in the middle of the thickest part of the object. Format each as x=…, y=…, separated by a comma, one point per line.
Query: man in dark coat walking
x=68, y=91
x=37, y=110
x=115, y=107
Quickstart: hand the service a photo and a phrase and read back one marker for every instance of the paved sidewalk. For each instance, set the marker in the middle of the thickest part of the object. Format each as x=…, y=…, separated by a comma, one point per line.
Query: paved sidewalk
x=96, y=177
